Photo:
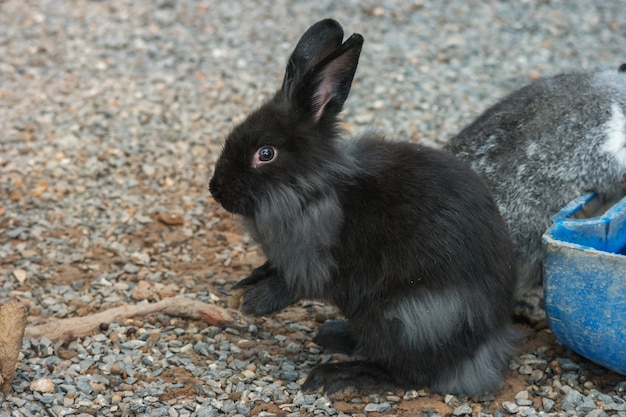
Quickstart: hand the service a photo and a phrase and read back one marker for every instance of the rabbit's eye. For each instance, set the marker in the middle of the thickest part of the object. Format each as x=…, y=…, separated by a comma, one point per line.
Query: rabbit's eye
x=264, y=155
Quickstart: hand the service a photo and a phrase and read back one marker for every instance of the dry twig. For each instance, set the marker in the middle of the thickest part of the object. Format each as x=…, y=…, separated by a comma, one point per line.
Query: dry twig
x=68, y=329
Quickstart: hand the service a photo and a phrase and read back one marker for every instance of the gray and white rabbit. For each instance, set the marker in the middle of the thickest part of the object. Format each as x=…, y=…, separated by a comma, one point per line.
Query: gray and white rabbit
x=544, y=145
x=406, y=241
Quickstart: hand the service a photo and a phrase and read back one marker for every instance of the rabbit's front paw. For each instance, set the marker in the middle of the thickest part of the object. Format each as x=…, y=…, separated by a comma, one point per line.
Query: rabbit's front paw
x=257, y=275
x=263, y=292
x=240, y=288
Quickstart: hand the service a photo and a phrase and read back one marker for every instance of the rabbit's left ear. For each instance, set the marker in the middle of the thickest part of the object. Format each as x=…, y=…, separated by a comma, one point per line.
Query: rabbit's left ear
x=320, y=71
x=317, y=43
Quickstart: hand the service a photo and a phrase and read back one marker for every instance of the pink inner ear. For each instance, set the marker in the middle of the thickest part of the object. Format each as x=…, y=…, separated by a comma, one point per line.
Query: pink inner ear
x=329, y=79
x=322, y=96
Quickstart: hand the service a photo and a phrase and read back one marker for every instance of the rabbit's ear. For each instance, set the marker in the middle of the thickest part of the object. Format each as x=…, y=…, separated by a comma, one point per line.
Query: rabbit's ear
x=317, y=84
x=317, y=43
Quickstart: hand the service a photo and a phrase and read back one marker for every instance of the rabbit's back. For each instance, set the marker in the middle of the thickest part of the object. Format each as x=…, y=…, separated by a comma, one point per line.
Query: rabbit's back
x=423, y=254
x=544, y=145
x=421, y=227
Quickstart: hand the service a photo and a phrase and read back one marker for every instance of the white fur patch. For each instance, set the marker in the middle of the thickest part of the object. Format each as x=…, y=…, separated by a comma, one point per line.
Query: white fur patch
x=615, y=129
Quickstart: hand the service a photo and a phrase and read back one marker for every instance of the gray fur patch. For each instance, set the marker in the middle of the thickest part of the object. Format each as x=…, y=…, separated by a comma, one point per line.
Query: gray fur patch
x=430, y=319
x=298, y=243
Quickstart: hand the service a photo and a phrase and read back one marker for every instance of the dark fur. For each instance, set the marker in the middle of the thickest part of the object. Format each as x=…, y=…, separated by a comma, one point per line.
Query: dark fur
x=544, y=145
x=405, y=240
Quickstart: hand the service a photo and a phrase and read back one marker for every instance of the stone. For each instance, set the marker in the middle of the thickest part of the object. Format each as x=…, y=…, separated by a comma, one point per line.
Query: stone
x=548, y=404
x=510, y=407
x=43, y=385
x=571, y=400
x=462, y=410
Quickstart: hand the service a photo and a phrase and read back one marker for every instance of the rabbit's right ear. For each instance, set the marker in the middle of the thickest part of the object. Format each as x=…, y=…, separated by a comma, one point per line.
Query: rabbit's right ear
x=320, y=71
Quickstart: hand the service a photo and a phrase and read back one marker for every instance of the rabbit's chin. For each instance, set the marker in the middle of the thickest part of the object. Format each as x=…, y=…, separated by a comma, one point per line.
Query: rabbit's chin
x=235, y=207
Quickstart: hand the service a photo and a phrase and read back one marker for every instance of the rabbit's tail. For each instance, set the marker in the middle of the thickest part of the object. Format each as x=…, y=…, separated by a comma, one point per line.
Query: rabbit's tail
x=484, y=370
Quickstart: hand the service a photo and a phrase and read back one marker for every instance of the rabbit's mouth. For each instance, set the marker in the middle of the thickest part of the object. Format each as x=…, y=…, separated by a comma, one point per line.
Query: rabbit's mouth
x=233, y=206
x=217, y=191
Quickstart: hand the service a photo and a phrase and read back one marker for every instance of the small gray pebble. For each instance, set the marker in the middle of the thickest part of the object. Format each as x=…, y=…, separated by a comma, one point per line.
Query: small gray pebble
x=293, y=347
x=47, y=398
x=133, y=344
x=510, y=407
x=568, y=365
x=586, y=405
x=14, y=233
x=229, y=406
x=604, y=398
x=615, y=407
x=289, y=376
x=463, y=409
x=149, y=170
x=298, y=326
x=63, y=411
x=535, y=376
x=571, y=400
x=83, y=384
x=525, y=370
x=287, y=366
x=384, y=407
x=302, y=399
x=202, y=348
x=598, y=412
x=548, y=404
x=131, y=268
x=205, y=412
x=68, y=388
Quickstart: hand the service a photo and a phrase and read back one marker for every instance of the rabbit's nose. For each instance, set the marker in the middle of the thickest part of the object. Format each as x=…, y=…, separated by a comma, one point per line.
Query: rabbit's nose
x=215, y=188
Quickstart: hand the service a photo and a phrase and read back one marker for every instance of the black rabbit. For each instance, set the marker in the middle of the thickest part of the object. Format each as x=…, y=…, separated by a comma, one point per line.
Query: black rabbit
x=404, y=240
x=544, y=145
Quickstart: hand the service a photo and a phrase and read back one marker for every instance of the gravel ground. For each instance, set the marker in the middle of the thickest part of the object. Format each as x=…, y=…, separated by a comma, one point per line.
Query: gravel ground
x=111, y=116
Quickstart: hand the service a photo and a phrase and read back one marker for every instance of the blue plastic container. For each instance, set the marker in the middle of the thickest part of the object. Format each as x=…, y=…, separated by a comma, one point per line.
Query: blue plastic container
x=584, y=274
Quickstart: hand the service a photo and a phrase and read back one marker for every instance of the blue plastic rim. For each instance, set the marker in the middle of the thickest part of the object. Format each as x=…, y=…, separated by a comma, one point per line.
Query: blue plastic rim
x=585, y=282
x=606, y=232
